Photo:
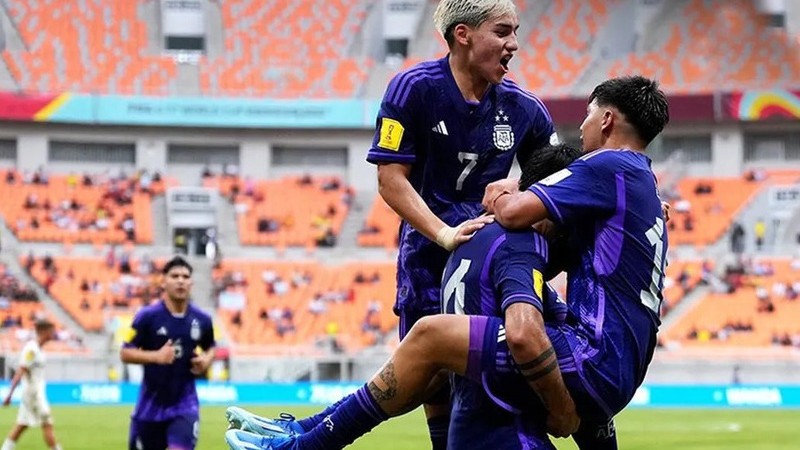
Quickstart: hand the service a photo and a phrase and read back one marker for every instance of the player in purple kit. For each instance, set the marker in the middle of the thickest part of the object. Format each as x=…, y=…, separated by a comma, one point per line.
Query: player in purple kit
x=608, y=202
x=445, y=130
x=164, y=338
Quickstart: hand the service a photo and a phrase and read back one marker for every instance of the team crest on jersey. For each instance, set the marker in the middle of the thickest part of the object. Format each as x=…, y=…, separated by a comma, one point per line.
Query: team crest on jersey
x=194, y=332
x=503, y=137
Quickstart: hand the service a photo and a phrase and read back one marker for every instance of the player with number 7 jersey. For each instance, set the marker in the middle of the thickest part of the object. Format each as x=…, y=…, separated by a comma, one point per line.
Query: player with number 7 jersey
x=452, y=149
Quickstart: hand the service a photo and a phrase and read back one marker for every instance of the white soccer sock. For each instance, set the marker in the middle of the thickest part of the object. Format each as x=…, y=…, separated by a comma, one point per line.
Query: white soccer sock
x=56, y=447
x=8, y=444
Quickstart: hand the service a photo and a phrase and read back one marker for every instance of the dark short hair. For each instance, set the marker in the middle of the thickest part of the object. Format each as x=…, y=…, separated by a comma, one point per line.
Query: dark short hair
x=641, y=101
x=43, y=324
x=176, y=261
x=545, y=162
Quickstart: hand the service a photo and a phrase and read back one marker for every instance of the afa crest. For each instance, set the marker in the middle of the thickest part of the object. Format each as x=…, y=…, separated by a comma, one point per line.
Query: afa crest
x=194, y=332
x=503, y=137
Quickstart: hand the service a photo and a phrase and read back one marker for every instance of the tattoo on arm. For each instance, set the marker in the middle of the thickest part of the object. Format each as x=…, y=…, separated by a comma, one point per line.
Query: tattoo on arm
x=388, y=379
x=538, y=360
x=533, y=370
x=544, y=372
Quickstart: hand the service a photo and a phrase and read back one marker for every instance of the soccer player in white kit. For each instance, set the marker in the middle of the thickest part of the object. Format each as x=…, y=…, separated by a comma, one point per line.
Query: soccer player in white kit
x=34, y=410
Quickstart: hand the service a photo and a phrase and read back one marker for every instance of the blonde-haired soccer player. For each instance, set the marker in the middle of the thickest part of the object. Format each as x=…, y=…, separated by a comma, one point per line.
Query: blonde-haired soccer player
x=34, y=410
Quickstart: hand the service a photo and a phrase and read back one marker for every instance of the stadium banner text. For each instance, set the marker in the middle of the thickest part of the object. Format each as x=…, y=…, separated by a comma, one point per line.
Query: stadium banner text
x=189, y=111
x=678, y=396
x=230, y=112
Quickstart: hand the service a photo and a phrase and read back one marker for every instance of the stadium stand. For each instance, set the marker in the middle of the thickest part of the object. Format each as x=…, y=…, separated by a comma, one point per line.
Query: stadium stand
x=85, y=46
x=72, y=208
x=719, y=44
x=382, y=226
x=298, y=303
x=289, y=211
x=759, y=308
x=91, y=289
x=556, y=52
x=19, y=309
x=305, y=58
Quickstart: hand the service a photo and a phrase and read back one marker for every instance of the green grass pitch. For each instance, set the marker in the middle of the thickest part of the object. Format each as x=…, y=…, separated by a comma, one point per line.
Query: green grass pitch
x=106, y=427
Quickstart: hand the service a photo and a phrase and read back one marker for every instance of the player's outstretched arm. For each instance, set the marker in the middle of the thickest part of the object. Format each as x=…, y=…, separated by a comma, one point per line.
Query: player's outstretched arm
x=165, y=355
x=396, y=190
x=22, y=371
x=538, y=362
x=515, y=210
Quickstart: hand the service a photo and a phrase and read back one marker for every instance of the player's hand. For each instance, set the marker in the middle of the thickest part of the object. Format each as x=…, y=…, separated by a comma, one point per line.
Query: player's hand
x=496, y=189
x=665, y=207
x=201, y=363
x=451, y=237
x=166, y=354
x=563, y=422
x=7, y=401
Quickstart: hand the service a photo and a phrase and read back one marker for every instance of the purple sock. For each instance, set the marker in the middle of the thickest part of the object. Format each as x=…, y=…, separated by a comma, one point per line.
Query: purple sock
x=356, y=416
x=309, y=423
x=438, y=428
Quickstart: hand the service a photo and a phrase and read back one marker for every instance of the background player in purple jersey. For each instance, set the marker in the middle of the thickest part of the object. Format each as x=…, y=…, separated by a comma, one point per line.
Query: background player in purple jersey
x=445, y=130
x=164, y=338
x=608, y=201
x=449, y=342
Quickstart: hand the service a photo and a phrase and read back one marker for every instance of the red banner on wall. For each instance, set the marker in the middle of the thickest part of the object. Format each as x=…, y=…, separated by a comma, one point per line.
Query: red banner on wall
x=22, y=106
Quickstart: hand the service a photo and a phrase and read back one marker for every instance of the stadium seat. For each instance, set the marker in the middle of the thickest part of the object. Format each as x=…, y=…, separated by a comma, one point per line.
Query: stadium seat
x=345, y=301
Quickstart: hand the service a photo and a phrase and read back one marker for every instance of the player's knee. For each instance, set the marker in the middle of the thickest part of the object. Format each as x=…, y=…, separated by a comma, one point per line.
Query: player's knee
x=423, y=331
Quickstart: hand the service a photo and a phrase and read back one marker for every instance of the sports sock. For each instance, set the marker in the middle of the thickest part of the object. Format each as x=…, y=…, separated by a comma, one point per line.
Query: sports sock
x=438, y=427
x=8, y=444
x=309, y=423
x=356, y=416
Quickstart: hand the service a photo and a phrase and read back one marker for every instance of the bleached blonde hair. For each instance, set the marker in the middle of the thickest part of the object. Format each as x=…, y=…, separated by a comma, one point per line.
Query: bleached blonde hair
x=450, y=13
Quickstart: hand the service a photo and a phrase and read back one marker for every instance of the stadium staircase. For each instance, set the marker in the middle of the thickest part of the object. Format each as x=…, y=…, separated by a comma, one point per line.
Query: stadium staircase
x=687, y=303
x=227, y=228
x=202, y=290
x=161, y=237
x=760, y=207
x=348, y=237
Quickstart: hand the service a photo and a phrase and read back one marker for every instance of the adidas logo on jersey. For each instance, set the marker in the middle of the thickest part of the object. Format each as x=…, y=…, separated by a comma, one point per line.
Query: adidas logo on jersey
x=440, y=128
x=162, y=331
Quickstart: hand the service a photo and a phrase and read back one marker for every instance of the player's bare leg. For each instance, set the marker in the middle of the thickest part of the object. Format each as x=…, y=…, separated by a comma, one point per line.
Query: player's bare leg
x=13, y=437
x=49, y=436
x=435, y=343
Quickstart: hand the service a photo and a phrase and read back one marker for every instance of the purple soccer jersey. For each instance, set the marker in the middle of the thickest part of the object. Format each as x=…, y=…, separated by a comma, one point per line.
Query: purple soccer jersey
x=168, y=391
x=608, y=200
x=455, y=149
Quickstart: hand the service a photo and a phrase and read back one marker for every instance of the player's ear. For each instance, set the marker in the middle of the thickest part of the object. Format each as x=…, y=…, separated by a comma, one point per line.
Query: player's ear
x=461, y=34
x=607, y=120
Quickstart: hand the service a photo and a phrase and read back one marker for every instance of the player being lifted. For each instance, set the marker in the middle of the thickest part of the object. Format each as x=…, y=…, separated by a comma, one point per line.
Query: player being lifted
x=163, y=338
x=447, y=128
x=33, y=409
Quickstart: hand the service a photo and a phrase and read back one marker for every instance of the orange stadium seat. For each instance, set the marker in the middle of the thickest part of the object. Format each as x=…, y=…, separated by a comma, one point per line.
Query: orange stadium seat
x=302, y=213
x=556, y=51
x=109, y=290
x=716, y=311
x=382, y=227
x=718, y=45
x=344, y=316
x=73, y=45
x=307, y=58
x=76, y=224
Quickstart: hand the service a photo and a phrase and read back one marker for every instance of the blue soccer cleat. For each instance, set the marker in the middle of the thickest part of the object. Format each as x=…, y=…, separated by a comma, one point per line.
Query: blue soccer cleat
x=244, y=440
x=241, y=419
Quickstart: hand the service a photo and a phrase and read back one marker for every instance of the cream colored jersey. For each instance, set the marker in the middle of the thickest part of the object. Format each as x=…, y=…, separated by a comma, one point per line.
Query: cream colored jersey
x=33, y=359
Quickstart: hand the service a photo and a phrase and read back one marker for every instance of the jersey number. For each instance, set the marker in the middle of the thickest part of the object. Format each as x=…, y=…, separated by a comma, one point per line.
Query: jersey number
x=455, y=285
x=472, y=161
x=649, y=296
